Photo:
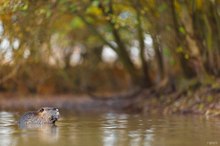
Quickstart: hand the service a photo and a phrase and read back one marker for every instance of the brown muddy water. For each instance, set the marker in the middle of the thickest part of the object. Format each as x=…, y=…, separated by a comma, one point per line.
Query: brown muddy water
x=113, y=129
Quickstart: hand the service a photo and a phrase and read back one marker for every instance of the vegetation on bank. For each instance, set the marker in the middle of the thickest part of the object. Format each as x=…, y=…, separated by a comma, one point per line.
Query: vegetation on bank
x=105, y=46
x=192, y=98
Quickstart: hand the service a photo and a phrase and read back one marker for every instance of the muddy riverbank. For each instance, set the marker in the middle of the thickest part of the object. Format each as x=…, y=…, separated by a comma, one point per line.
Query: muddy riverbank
x=203, y=100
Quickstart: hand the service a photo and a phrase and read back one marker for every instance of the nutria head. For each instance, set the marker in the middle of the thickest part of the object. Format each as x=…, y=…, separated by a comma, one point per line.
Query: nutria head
x=45, y=115
x=48, y=114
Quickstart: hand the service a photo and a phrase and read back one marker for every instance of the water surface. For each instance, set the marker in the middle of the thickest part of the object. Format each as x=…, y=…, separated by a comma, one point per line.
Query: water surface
x=113, y=129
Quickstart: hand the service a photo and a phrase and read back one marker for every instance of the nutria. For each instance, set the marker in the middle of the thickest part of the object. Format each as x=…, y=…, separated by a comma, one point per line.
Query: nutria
x=45, y=115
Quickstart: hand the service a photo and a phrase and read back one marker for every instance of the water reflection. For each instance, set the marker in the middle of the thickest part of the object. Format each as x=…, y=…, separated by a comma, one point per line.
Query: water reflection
x=120, y=130
x=6, y=129
x=45, y=132
x=112, y=130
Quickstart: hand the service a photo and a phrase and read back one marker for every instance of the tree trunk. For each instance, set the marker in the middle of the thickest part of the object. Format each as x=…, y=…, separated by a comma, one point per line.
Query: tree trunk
x=159, y=57
x=145, y=68
x=121, y=49
x=190, y=57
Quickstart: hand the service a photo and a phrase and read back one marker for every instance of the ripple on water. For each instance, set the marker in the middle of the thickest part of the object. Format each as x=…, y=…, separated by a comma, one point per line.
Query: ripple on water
x=112, y=129
x=7, y=120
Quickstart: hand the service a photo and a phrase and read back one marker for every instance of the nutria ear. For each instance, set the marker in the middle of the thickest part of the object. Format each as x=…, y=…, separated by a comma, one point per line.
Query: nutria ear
x=41, y=110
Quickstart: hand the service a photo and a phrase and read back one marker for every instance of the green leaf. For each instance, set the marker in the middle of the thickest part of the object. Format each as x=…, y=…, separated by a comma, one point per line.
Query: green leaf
x=162, y=7
x=167, y=52
x=48, y=13
x=182, y=30
x=25, y=7
x=201, y=106
x=73, y=7
x=186, y=56
x=77, y=23
x=209, y=98
x=95, y=3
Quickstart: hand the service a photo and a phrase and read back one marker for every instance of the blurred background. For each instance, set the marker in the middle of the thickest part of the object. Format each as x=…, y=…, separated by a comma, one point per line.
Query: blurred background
x=135, y=67
x=71, y=46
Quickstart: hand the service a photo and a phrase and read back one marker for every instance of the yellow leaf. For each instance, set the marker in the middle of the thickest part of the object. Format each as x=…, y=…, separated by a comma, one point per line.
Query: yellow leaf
x=93, y=10
x=177, y=6
x=179, y=50
x=186, y=56
x=152, y=3
x=199, y=4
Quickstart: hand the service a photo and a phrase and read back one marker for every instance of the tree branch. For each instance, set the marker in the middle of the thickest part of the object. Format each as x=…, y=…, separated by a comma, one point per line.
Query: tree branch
x=97, y=33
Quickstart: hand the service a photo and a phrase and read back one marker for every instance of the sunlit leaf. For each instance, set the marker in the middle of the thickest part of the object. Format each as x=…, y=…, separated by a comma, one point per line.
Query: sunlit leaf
x=179, y=49
x=95, y=3
x=25, y=7
x=77, y=23
x=152, y=3
x=182, y=30
x=177, y=6
x=199, y=4
x=93, y=10
x=186, y=56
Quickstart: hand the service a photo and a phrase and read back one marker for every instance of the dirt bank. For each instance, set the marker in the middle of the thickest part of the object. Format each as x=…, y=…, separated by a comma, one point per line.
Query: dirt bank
x=203, y=100
x=80, y=103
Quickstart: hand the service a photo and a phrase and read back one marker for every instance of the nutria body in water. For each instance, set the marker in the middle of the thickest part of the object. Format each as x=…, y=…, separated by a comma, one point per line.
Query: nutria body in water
x=45, y=115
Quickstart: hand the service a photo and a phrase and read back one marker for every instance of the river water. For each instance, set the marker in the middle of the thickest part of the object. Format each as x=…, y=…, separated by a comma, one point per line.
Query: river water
x=113, y=129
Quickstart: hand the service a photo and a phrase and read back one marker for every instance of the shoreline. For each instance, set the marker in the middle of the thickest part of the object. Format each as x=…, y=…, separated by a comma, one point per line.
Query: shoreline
x=77, y=103
x=204, y=100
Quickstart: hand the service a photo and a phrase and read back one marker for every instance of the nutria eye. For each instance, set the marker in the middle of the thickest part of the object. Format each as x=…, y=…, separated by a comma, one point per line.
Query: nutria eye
x=41, y=110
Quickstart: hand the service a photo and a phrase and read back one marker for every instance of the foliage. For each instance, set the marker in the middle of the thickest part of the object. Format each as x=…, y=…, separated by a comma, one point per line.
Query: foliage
x=156, y=43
